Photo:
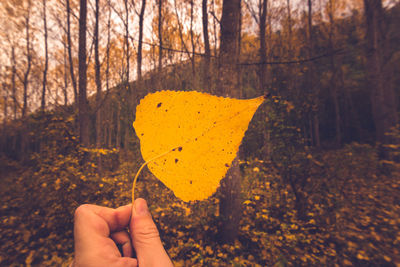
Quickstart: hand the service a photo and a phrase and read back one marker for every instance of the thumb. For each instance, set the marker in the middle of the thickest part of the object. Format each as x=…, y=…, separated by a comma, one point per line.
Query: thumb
x=145, y=237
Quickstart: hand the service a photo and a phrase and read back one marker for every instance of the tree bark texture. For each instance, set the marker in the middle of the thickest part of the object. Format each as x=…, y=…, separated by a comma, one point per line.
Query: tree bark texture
x=5, y=106
x=207, y=52
x=13, y=82
x=383, y=97
x=334, y=88
x=140, y=42
x=192, y=59
x=65, y=89
x=83, y=102
x=71, y=60
x=28, y=60
x=97, y=76
x=127, y=49
x=160, y=38
x=46, y=62
x=263, y=45
x=230, y=202
x=310, y=78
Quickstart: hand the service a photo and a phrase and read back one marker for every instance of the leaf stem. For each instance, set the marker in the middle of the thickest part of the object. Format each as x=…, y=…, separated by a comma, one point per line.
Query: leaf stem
x=141, y=168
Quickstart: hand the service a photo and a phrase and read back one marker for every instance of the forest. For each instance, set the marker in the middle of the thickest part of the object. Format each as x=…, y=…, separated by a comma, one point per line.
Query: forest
x=315, y=181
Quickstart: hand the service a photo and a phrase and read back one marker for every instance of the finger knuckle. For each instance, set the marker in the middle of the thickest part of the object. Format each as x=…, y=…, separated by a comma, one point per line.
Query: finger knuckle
x=148, y=232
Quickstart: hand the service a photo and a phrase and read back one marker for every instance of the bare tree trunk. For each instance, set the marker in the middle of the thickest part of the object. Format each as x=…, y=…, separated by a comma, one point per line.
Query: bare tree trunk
x=239, y=50
x=263, y=67
x=98, y=84
x=230, y=202
x=160, y=38
x=5, y=107
x=24, y=136
x=65, y=89
x=290, y=45
x=46, y=62
x=289, y=14
x=97, y=75
x=28, y=60
x=83, y=102
x=127, y=50
x=335, y=97
x=263, y=45
x=108, y=123
x=13, y=82
x=140, y=44
x=108, y=48
x=333, y=80
x=71, y=60
x=383, y=97
x=118, y=133
x=310, y=77
x=192, y=41
x=207, y=52
x=110, y=128
x=107, y=134
x=215, y=21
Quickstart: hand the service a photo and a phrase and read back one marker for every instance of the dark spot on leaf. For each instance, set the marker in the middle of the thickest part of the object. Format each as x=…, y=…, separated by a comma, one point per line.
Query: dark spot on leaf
x=190, y=181
x=142, y=134
x=215, y=122
x=226, y=165
x=176, y=160
x=198, y=112
x=174, y=149
x=223, y=149
x=166, y=110
x=195, y=139
x=159, y=104
x=180, y=149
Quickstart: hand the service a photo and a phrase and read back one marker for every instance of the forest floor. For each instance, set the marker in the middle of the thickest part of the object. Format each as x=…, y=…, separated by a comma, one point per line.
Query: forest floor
x=352, y=219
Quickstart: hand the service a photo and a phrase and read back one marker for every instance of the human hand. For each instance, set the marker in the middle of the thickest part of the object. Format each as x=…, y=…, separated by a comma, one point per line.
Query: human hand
x=98, y=230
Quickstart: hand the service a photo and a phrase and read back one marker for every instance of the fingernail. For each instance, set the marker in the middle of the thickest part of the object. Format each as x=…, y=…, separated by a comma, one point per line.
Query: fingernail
x=141, y=207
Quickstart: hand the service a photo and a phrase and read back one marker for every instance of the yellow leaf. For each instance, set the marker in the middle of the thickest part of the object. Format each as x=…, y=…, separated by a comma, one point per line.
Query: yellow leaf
x=347, y=262
x=57, y=184
x=189, y=139
x=209, y=250
x=247, y=202
x=387, y=258
x=187, y=211
x=29, y=259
